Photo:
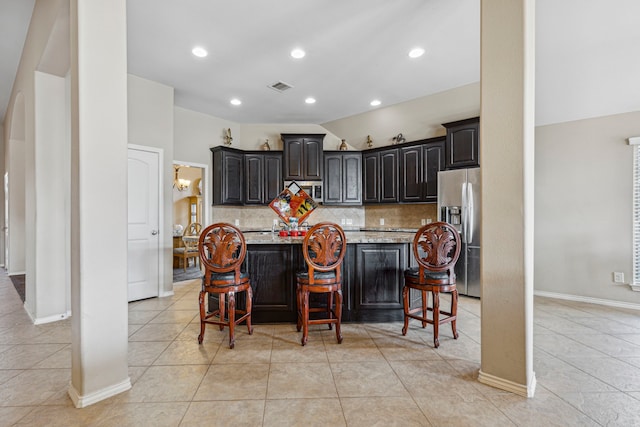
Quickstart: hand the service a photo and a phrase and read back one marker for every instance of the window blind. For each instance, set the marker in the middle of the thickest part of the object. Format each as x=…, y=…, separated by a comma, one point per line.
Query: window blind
x=636, y=214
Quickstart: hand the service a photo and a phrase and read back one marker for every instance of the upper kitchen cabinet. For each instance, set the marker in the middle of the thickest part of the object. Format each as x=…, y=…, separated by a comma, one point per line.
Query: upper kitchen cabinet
x=342, y=178
x=302, y=156
x=228, y=166
x=380, y=176
x=462, y=143
x=262, y=176
x=419, y=167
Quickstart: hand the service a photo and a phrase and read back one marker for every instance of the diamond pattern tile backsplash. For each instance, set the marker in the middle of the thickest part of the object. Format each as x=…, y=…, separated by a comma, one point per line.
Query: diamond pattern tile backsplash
x=394, y=215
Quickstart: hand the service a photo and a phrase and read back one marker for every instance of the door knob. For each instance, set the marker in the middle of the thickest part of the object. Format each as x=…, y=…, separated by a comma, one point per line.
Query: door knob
x=154, y=232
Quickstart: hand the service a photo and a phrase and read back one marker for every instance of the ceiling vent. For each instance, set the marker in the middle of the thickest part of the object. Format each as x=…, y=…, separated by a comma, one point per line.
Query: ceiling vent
x=280, y=86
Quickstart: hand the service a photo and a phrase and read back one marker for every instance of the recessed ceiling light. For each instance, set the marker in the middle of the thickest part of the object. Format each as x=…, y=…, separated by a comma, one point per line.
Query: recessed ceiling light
x=298, y=53
x=235, y=101
x=200, y=52
x=375, y=103
x=416, y=52
x=310, y=100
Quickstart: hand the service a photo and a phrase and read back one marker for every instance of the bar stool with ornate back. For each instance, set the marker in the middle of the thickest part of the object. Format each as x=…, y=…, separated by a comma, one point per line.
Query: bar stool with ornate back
x=323, y=248
x=436, y=248
x=222, y=249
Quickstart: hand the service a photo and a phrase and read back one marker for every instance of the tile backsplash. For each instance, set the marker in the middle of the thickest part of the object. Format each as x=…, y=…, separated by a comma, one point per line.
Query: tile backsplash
x=394, y=215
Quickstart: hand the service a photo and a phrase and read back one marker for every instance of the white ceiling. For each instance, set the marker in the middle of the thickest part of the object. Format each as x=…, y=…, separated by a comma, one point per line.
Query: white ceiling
x=587, y=59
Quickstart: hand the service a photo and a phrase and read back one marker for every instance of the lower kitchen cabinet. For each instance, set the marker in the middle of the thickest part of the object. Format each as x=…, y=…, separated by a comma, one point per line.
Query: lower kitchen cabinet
x=379, y=281
x=373, y=276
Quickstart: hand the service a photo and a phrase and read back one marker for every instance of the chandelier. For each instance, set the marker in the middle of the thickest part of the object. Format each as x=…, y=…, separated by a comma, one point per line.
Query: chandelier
x=180, y=183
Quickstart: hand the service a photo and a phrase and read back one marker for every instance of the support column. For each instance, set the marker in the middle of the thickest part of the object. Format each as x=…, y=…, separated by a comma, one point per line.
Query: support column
x=99, y=200
x=507, y=158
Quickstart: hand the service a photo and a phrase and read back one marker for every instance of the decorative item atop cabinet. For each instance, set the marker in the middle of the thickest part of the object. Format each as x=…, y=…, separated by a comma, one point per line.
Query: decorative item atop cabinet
x=227, y=137
x=302, y=156
x=462, y=145
x=343, y=145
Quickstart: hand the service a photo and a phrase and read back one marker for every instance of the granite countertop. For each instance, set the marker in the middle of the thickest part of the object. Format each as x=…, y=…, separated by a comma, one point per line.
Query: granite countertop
x=253, y=237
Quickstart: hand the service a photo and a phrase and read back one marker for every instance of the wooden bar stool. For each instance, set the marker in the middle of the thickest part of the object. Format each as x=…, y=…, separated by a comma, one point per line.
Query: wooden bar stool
x=436, y=248
x=222, y=249
x=323, y=248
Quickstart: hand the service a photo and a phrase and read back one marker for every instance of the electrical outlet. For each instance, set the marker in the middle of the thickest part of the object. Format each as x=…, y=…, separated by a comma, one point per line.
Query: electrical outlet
x=381, y=221
x=429, y=220
x=423, y=221
x=237, y=222
x=343, y=221
x=618, y=277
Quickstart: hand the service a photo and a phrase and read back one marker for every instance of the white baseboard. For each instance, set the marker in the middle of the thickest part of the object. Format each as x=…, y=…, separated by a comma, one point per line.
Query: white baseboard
x=16, y=273
x=166, y=294
x=634, y=287
x=54, y=318
x=97, y=396
x=577, y=298
x=510, y=386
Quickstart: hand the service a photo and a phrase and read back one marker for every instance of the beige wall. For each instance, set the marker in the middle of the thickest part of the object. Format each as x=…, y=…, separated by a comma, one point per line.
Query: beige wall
x=150, y=124
x=417, y=119
x=583, y=214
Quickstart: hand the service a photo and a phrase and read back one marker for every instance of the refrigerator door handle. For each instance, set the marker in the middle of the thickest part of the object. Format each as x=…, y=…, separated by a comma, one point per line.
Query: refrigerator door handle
x=464, y=214
x=470, y=213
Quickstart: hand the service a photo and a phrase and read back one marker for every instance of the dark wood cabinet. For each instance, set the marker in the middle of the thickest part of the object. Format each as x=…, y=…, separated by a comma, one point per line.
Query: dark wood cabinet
x=380, y=176
x=370, y=180
x=262, y=177
x=379, y=279
x=272, y=271
x=302, y=156
x=228, y=171
x=372, y=280
x=462, y=144
x=419, y=167
x=342, y=178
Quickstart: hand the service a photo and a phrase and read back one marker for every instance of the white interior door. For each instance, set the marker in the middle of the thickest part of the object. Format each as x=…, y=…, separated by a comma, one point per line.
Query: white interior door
x=144, y=213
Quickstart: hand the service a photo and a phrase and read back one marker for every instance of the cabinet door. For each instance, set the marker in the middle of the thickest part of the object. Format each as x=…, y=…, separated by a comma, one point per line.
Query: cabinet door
x=379, y=281
x=332, y=178
x=312, y=158
x=462, y=145
x=411, y=174
x=253, y=179
x=293, y=159
x=352, y=179
x=227, y=176
x=271, y=269
x=389, y=176
x=273, y=184
x=370, y=178
x=433, y=163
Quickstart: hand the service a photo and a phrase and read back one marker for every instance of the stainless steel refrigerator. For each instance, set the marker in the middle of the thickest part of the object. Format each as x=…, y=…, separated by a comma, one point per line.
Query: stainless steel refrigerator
x=459, y=204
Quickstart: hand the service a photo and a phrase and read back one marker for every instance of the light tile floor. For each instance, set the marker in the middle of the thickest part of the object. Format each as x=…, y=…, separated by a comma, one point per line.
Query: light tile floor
x=587, y=363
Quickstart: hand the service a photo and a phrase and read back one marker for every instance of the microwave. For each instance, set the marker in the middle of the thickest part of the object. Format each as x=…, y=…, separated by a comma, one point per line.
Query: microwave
x=312, y=188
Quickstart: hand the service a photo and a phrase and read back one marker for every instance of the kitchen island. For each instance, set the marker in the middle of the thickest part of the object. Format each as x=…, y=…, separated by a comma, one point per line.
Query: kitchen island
x=372, y=272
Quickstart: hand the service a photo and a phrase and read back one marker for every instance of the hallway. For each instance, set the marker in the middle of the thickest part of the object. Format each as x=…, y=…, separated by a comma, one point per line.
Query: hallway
x=588, y=371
